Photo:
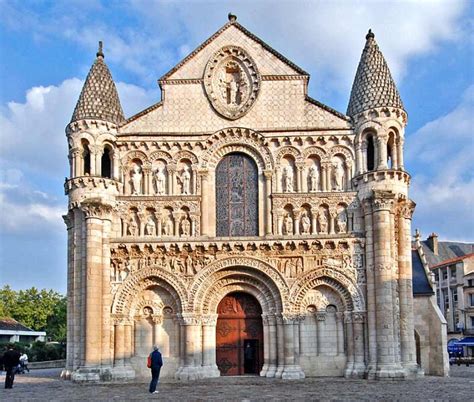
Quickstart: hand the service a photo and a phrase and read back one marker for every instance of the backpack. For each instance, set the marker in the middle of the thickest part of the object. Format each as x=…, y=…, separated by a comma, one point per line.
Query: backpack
x=148, y=361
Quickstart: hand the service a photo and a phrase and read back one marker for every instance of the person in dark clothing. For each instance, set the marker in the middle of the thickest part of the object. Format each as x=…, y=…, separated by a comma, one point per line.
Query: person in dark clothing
x=11, y=359
x=156, y=363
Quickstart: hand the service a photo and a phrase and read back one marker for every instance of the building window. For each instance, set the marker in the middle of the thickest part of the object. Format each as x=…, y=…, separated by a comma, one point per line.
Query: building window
x=370, y=154
x=472, y=322
x=436, y=275
x=452, y=273
x=106, y=163
x=237, y=196
x=471, y=299
x=445, y=274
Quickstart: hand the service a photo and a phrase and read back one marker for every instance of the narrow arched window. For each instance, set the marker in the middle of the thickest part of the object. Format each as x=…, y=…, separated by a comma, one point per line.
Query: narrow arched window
x=370, y=153
x=106, y=163
x=86, y=156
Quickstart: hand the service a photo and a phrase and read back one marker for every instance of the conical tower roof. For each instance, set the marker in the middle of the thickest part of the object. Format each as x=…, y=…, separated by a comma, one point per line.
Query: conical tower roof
x=99, y=98
x=373, y=84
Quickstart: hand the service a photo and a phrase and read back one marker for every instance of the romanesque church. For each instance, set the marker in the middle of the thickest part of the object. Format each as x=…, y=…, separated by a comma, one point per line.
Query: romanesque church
x=239, y=224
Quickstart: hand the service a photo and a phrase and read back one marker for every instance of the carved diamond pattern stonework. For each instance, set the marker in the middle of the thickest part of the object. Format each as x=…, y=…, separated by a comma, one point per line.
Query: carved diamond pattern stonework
x=232, y=82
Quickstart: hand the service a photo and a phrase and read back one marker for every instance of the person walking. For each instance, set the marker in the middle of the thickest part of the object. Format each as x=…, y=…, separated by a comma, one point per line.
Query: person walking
x=11, y=359
x=24, y=362
x=155, y=366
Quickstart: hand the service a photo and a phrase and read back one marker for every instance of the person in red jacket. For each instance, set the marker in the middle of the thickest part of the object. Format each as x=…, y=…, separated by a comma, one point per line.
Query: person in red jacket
x=11, y=359
x=156, y=364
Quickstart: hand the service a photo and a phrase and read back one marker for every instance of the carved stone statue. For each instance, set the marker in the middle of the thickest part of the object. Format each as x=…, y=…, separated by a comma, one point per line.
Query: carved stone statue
x=185, y=181
x=132, y=229
x=136, y=179
x=323, y=222
x=185, y=226
x=313, y=179
x=338, y=175
x=288, y=179
x=168, y=225
x=150, y=226
x=288, y=224
x=342, y=221
x=160, y=181
x=305, y=223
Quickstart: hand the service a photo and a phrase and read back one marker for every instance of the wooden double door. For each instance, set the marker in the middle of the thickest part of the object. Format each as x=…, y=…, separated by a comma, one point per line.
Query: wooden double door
x=239, y=335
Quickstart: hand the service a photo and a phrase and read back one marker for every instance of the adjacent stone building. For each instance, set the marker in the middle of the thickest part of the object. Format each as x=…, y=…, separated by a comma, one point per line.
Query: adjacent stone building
x=240, y=224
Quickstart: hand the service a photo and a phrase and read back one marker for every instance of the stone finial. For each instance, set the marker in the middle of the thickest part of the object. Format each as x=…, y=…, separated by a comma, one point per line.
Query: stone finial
x=370, y=35
x=417, y=235
x=100, y=53
x=232, y=17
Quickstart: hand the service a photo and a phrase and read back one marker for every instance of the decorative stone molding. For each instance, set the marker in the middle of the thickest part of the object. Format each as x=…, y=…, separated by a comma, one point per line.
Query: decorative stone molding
x=232, y=82
x=190, y=319
x=95, y=209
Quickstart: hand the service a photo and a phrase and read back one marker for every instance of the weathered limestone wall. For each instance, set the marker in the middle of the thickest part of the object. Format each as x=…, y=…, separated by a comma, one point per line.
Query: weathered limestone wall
x=431, y=327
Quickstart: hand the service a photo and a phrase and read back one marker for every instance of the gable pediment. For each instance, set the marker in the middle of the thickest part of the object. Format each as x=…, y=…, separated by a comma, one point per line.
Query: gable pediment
x=268, y=60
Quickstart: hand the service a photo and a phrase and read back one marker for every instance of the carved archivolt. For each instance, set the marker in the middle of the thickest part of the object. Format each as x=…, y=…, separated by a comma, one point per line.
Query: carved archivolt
x=232, y=82
x=339, y=149
x=288, y=150
x=236, y=266
x=321, y=153
x=349, y=292
x=237, y=140
x=146, y=278
x=130, y=156
x=185, y=155
x=160, y=155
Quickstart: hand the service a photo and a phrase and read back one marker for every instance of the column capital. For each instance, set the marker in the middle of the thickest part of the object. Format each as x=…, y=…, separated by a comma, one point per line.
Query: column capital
x=95, y=209
x=268, y=174
x=157, y=319
x=209, y=319
x=118, y=319
x=407, y=209
x=289, y=318
x=69, y=219
x=190, y=319
x=358, y=317
x=383, y=200
x=320, y=316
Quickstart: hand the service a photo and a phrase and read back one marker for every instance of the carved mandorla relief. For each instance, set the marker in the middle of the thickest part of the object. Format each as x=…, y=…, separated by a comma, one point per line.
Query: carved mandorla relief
x=232, y=82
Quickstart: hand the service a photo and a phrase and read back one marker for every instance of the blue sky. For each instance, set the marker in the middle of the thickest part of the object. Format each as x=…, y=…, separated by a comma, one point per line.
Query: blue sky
x=47, y=48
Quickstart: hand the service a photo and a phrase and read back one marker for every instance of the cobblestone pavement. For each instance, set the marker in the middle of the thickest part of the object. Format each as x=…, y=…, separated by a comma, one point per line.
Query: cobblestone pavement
x=44, y=385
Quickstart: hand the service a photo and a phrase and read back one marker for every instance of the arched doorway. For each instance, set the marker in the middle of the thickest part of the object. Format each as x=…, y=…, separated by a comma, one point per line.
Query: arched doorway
x=237, y=196
x=239, y=335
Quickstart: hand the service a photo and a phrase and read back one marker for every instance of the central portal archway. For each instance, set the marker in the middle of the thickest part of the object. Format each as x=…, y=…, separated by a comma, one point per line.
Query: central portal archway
x=239, y=335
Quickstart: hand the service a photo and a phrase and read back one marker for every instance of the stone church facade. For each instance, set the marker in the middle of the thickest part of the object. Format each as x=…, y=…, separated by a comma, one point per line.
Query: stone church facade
x=239, y=224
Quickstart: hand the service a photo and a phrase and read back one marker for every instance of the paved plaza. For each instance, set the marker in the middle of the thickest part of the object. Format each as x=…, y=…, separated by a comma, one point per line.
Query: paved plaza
x=45, y=385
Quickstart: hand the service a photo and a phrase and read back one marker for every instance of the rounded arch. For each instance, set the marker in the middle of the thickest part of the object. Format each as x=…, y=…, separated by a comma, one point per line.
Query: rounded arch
x=77, y=140
x=160, y=155
x=341, y=150
x=237, y=140
x=144, y=279
x=340, y=283
x=106, y=137
x=130, y=156
x=185, y=155
x=249, y=267
x=248, y=285
x=288, y=150
x=321, y=153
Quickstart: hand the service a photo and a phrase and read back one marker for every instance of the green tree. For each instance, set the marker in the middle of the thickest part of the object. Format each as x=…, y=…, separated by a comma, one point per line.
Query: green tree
x=41, y=310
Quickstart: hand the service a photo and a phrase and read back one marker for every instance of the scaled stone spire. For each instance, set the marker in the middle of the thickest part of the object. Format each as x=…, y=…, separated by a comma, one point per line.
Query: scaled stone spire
x=373, y=84
x=99, y=98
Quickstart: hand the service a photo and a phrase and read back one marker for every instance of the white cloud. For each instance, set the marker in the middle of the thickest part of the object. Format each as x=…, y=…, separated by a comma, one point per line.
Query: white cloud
x=32, y=133
x=443, y=183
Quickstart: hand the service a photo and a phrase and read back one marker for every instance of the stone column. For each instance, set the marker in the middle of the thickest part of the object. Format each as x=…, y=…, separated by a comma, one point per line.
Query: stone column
x=407, y=330
x=359, y=158
x=147, y=181
x=364, y=157
x=280, y=346
x=115, y=166
x=371, y=304
x=176, y=220
x=280, y=222
x=382, y=147
x=205, y=202
x=350, y=344
x=387, y=365
x=172, y=179
x=78, y=296
x=190, y=370
x=69, y=221
x=93, y=282
x=272, y=346
x=268, y=201
x=127, y=338
x=320, y=318
x=359, y=355
x=324, y=184
x=76, y=163
x=106, y=292
x=332, y=220
x=266, y=354
x=340, y=332
x=348, y=174
x=314, y=221
x=291, y=371
x=209, y=346
x=193, y=180
x=299, y=177
x=400, y=143
x=119, y=343
x=157, y=327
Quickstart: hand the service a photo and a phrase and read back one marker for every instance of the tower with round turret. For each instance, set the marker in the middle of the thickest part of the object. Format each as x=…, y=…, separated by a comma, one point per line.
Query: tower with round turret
x=382, y=186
